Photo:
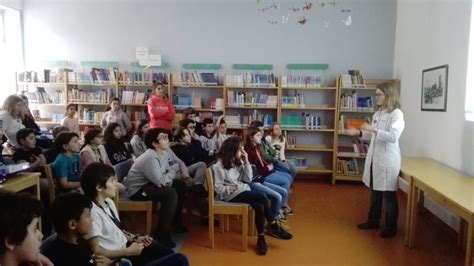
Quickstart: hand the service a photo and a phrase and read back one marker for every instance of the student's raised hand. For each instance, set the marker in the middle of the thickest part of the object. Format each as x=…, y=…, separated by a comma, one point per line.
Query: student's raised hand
x=351, y=131
x=103, y=261
x=245, y=155
x=135, y=249
x=195, y=136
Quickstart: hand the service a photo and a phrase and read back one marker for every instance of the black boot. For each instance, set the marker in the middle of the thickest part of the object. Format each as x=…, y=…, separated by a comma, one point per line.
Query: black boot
x=368, y=225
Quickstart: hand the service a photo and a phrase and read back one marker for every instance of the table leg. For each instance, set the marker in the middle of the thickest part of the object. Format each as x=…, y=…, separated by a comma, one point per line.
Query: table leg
x=408, y=211
x=462, y=234
x=470, y=224
x=413, y=216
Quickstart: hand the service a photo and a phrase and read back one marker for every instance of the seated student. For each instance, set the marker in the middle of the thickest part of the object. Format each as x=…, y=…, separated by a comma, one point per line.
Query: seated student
x=108, y=237
x=20, y=238
x=221, y=133
x=192, y=157
x=195, y=143
x=70, y=121
x=190, y=113
x=115, y=115
x=156, y=175
x=71, y=216
x=14, y=111
x=53, y=152
x=67, y=166
x=137, y=142
x=269, y=153
x=28, y=152
x=208, y=140
x=115, y=146
x=273, y=183
x=232, y=173
x=93, y=150
x=278, y=142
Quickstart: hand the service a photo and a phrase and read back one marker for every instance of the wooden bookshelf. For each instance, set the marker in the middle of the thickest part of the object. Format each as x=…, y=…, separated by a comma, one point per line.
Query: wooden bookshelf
x=341, y=137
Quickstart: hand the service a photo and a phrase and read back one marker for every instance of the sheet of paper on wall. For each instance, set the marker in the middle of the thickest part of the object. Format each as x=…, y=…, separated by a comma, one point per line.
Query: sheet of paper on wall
x=141, y=53
x=348, y=21
x=153, y=60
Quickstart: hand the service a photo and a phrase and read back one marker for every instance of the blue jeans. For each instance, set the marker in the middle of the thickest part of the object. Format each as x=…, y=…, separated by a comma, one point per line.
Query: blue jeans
x=277, y=197
x=281, y=179
x=287, y=167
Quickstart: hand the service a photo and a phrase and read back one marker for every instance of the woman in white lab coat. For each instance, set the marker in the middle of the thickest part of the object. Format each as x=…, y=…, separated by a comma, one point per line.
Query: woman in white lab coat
x=382, y=164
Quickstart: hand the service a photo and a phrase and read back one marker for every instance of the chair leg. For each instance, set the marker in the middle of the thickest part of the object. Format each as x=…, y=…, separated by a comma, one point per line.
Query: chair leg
x=149, y=215
x=211, y=230
x=245, y=223
x=227, y=223
x=252, y=231
x=222, y=223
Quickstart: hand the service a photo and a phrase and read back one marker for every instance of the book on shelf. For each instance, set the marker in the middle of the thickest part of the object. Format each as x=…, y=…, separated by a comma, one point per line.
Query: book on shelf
x=141, y=77
x=301, y=81
x=135, y=97
x=95, y=76
x=44, y=76
x=353, y=79
x=190, y=78
x=86, y=96
x=346, y=123
x=42, y=97
x=351, y=102
x=301, y=163
x=240, y=98
x=352, y=150
x=245, y=120
x=347, y=166
x=88, y=116
x=181, y=102
x=137, y=115
x=304, y=121
x=250, y=79
x=57, y=118
x=290, y=140
x=293, y=101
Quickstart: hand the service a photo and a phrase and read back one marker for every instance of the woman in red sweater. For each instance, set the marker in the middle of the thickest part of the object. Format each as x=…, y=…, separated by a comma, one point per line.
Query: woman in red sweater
x=160, y=109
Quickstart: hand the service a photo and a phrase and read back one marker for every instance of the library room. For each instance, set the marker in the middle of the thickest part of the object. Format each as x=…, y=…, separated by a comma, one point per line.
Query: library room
x=236, y=132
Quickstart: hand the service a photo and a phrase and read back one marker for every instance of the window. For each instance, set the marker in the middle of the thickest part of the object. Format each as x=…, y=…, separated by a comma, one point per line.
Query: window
x=11, y=50
x=469, y=111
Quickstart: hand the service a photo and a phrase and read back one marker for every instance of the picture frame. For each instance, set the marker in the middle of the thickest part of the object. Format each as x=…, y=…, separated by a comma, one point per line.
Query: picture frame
x=434, y=89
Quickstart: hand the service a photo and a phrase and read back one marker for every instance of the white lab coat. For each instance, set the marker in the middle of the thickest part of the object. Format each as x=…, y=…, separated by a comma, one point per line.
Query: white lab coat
x=384, y=150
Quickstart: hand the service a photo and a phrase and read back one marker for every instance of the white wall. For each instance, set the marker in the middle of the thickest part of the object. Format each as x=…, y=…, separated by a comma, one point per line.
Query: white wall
x=16, y=4
x=431, y=33
x=211, y=31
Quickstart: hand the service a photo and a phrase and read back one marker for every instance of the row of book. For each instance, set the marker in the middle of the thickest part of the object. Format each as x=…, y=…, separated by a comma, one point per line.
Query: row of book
x=293, y=101
x=250, y=79
x=194, y=78
x=243, y=120
x=239, y=98
x=181, y=102
x=46, y=76
x=142, y=77
x=347, y=167
x=99, y=96
x=358, y=150
x=135, y=97
x=42, y=97
x=305, y=121
x=354, y=103
x=346, y=123
x=137, y=115
x=300, y=162
x=301, y=81
x=353, y=78
x=290, y=140
x=88, y=116
x=96, y=76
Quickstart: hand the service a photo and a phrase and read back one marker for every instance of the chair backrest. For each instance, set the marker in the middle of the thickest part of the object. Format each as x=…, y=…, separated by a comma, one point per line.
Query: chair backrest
x=121, y=170
x=210, y=185
x=48, y=171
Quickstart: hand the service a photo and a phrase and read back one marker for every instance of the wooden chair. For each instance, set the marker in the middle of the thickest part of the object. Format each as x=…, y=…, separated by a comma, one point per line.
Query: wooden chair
x=224, y=209
x=48, y=171
x=124, y=204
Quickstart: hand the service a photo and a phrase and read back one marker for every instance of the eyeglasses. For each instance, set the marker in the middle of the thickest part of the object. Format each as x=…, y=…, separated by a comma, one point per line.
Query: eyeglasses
x=162, y=137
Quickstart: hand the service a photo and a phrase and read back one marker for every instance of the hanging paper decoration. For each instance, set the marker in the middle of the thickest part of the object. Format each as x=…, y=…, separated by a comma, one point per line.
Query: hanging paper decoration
x=272, y=6
x=302, y=20
x=346, y=11
x=294, y=9
x=326, y=23
x=332, y=2
x=347, y=21
x=284, y=19
x=321, y=3
x=307, y=6
x=273, y=22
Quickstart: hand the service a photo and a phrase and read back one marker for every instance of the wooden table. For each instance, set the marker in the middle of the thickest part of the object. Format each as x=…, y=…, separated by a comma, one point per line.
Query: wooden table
x=22, y=182
x=447, y=186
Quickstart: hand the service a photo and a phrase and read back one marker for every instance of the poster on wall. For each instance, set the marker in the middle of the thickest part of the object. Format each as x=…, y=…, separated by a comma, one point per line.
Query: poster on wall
x=434, y=89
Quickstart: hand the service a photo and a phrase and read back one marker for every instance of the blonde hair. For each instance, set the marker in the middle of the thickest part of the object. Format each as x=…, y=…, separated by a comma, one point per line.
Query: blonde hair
x=9, y=105
x=391, y=91
x=271, y=130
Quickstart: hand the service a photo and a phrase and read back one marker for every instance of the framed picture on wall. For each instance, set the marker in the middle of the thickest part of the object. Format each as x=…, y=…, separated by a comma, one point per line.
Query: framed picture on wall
x=434, y=89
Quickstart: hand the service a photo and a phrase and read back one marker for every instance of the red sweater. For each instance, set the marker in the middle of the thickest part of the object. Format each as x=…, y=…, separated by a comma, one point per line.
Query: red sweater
x=261, y=165
x=161, y=113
